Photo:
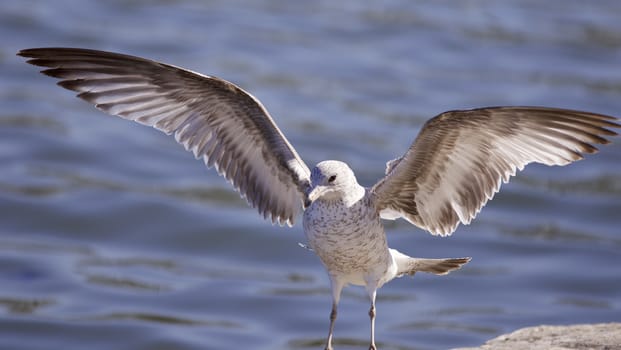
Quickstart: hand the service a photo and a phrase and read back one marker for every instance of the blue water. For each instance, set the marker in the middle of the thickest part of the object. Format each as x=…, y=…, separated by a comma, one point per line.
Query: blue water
x=113, y=237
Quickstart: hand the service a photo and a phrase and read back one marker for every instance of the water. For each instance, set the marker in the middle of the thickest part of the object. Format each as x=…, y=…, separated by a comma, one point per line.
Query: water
x=113, y=237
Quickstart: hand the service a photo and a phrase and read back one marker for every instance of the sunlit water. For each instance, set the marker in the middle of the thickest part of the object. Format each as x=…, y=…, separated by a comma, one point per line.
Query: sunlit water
x=113, y=237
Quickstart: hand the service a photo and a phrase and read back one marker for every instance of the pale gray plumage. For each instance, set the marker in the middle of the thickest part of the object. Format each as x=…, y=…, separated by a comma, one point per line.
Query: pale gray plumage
x=455, y=165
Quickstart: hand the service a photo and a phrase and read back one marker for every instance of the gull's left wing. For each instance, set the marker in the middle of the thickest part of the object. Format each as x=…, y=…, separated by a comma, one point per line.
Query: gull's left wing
x=460, y=158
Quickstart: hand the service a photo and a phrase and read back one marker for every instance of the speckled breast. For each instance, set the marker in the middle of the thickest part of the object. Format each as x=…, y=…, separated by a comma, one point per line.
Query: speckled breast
x=346, y=239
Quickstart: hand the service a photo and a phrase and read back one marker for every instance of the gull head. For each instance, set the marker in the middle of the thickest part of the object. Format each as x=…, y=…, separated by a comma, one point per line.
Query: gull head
x=333, y=180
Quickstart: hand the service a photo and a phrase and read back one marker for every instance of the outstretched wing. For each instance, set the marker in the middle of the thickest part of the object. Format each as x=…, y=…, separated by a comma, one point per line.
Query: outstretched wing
x=457, y=162
x=217, y=121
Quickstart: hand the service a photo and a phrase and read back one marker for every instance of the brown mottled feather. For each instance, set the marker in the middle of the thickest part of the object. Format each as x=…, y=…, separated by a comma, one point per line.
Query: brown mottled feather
x=457, y=162
x=219, y=122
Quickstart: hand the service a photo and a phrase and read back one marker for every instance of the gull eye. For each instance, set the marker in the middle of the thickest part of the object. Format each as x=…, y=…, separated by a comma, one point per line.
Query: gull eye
x=332, y=178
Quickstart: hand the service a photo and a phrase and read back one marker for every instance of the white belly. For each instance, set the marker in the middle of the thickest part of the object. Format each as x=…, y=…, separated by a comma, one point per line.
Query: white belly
x=350, y=241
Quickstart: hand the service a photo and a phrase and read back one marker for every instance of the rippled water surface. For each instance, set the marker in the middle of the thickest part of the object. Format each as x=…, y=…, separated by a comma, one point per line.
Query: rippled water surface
x=113, y=237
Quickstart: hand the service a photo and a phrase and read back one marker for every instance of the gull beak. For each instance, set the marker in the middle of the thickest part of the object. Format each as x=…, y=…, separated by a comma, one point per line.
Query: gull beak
x=315, y=193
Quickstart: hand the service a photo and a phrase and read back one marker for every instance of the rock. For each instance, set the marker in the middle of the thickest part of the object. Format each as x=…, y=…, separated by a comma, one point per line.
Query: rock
x=604, y=336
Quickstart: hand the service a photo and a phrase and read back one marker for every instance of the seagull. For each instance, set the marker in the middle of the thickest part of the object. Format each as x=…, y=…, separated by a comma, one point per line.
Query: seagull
x=454, y=166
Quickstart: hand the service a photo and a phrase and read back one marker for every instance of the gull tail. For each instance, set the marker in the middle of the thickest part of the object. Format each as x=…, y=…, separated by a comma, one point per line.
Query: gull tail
x=408, y=265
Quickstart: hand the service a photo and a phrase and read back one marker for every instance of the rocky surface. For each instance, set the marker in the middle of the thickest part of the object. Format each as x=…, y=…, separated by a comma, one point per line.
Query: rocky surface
x=605, y=336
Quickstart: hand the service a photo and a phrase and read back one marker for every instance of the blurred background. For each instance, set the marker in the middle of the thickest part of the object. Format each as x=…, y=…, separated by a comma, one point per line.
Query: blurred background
x=113, y=237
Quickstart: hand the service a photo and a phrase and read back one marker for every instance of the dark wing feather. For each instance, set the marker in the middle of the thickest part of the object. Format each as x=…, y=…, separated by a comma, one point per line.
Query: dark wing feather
x=219, y=122
x=460, y=158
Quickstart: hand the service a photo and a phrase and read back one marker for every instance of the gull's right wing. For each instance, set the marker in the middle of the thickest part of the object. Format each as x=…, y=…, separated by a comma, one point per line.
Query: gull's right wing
x=219, y=122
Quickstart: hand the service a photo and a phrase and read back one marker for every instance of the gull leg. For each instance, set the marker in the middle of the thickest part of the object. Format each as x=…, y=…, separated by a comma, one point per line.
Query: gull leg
x=332, y=319
x=371, y=287
x=372, y=317
x=337, y=287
